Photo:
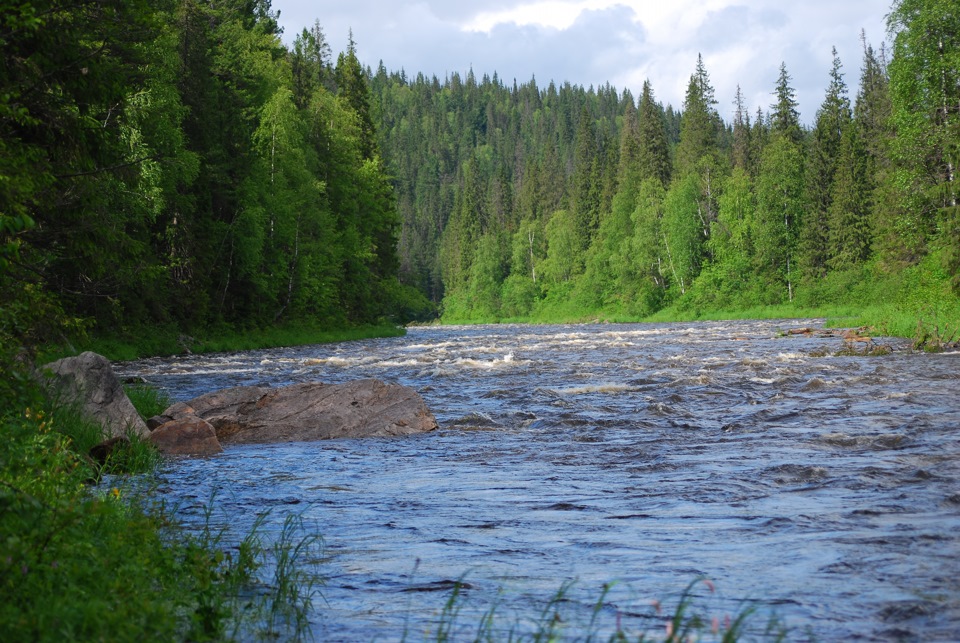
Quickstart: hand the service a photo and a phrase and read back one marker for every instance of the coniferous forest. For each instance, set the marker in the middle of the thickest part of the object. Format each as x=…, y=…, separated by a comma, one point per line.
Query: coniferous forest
x=171, y=168
x=559, y=202
x=174, y=164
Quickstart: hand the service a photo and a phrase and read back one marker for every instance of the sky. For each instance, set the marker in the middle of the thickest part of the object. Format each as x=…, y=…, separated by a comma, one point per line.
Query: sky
x=621, y=42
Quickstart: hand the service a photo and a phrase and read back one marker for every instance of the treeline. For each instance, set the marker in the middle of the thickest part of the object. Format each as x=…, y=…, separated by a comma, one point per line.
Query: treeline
x=563, y=202
x=172, y=163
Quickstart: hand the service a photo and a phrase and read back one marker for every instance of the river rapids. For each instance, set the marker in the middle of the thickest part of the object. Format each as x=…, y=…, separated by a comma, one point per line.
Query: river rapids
x=822, y=490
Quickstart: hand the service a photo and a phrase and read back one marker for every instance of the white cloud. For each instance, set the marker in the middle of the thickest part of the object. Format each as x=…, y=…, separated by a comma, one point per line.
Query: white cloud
x=624, y=42
x=556, y=14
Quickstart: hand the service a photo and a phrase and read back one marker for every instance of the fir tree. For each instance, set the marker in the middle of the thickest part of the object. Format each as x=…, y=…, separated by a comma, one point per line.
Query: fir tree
x=741, y=134
x=834, y=118
x=353, y=89
x=700, y=123
x=849, y=237
x=784, y=117
x=654, y=154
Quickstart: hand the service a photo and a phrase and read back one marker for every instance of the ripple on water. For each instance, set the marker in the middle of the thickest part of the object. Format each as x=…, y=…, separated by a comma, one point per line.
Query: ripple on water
x=649, y=454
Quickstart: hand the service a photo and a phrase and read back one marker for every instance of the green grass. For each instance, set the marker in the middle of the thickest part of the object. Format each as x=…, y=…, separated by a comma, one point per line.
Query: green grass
x=915, y=302
x=148, y=400
x=88, y=552
x=694, y=615
x=164, y=341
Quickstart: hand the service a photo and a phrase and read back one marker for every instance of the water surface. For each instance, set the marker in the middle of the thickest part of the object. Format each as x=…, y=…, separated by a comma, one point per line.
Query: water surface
x=826, y=488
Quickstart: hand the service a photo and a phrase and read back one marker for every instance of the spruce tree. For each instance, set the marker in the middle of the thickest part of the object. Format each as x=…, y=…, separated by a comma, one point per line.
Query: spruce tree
x=584, y=194
x=849, y=236
x=741, y=134
x=353, y=89
x=759, y=137
x=654, y=154
x=784, y=117
x=834, y=118
x=700, y=124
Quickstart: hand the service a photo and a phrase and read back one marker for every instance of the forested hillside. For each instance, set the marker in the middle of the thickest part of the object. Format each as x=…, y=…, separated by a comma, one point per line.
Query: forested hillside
x=560, y=202
x=172, y=163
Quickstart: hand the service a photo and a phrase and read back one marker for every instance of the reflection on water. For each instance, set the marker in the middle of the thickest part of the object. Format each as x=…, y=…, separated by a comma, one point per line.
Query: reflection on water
x=827, y=488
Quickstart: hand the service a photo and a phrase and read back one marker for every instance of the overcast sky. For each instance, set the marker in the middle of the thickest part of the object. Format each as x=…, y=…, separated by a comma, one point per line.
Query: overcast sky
x=623, y=42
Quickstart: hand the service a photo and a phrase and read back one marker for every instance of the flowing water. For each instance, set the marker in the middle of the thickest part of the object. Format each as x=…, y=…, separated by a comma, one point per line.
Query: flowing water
x=826, y=488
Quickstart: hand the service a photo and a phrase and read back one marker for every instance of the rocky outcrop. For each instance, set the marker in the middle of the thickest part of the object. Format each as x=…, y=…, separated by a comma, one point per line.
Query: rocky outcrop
x=88, y=380
x=311, y=411
x=187, y=436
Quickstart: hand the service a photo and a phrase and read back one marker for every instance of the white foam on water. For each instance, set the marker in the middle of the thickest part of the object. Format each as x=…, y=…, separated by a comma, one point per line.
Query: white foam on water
x=507, y=361
x=217, y=371
x=342, y=362
x=791, y=357
x=897, y=396
x=402, y=363
x=430, y=347
x=607, y=388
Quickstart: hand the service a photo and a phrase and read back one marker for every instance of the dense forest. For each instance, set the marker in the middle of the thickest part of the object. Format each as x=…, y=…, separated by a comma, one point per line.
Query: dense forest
x=560, y=202
x=173, y=164
x=171, y=167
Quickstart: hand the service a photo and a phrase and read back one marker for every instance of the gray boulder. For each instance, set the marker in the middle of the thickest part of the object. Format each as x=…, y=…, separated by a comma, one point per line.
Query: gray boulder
x=88, y=380
x=311, y=411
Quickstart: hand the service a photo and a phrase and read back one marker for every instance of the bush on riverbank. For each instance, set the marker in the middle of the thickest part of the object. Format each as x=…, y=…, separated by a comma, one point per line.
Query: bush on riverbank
x=80, y=561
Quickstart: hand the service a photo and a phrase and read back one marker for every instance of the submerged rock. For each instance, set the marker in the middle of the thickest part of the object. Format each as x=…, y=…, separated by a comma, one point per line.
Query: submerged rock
x=311, y=411
x=88, y=381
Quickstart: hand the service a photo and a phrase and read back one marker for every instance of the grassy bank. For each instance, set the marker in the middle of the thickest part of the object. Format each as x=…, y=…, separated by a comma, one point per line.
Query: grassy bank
x=163, y=341
x=88, y=551
x=917, y=302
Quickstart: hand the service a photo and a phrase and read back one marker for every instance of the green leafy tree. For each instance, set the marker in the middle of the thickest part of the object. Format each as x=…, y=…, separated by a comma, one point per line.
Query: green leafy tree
x=925, y=91
x=563, y=243
x=682, y=231
x=731, y=244
x=780, y=204
x=646, y=274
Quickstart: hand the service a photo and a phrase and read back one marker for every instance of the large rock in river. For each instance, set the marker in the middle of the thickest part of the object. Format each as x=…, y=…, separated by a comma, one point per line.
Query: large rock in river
x=190, y=435
x=88, y=381
x=311, y=411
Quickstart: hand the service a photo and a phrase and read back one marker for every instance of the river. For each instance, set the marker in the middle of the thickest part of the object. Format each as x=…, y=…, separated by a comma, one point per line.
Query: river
x=822, y=490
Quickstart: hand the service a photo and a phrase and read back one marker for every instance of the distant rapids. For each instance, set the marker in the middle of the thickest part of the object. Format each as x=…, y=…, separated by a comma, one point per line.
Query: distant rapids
x=825, y=488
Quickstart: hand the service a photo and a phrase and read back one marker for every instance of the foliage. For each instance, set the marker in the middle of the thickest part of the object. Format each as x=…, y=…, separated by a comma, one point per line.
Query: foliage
x=160, y=167
x=97, y=563
x=563, y=164
x=85, y=554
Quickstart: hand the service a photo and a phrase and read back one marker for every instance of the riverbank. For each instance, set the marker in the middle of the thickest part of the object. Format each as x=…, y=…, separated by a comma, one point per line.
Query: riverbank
x=90, y=550
x=164, y=341
x=918, y=303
